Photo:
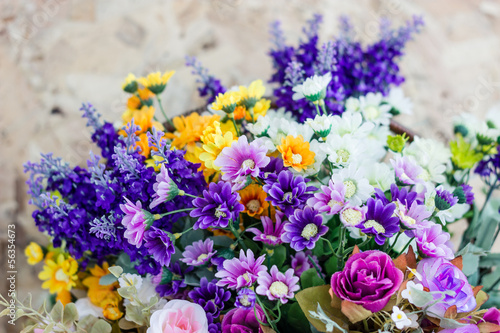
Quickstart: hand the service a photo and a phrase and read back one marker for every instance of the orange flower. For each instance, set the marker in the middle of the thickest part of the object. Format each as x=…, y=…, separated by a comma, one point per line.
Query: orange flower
x=190, y=129
x=64, y=296
x=101, y=295
x=296, y=153
x=254, y=200
x=144, y=145
x=145, y=97
x=142, y=118
x=239, y=112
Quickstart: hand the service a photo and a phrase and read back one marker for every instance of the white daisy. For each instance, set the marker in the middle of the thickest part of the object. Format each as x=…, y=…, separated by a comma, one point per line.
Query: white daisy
x=321, y=125
x=319, y=157
x=358, y=189
x=313, y=88
x=397, y=100
x=409, y=291
x=352, y=104
x=342, y=151
x=351, y=123
x=260, y=127
x=380, y=175
x=373, y=110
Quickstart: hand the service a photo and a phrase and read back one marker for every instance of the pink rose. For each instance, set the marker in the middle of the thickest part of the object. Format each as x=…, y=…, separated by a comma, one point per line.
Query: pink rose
x=179, y=316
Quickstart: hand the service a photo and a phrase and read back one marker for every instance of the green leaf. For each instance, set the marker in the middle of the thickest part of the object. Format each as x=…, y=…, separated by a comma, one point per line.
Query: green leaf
x=490, y=279
x=331, y=265
x=107, y=279
x=279, y=256
x=450, y=323
x=101, y=326
x=251, y=245
x=490, y=260
x=191, y=237
x=470, y=263
x=210, y=275
x=192, y=279
x=296, y=319
x=48, y=328
x=223, y=241
x=70, y=314
x=116, y=271
x=57, y=312
x=310, y=278
x=321, y=249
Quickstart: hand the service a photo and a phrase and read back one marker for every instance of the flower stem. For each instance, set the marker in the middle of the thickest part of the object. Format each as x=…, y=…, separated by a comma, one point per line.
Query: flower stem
x=163, y=111
x=406, y=246
x=316, y=267
x=190, y=195
x=237, y=235
x=317, y=109
x=158, y=216
x=235, y=126
x=265, y=313
x=323, y=107
x=394, y=243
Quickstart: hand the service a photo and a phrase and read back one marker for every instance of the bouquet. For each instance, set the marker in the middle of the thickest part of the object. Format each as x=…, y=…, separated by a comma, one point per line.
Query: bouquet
x=307, y=211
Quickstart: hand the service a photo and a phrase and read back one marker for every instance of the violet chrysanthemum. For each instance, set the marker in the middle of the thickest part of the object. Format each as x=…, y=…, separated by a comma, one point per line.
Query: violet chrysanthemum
x=407, y=170
x=165, y=188
x=159, y=245
x=210, y=297
x=444, y=199
x=134, y=221
x=330, y=199
x=301, y=262
x=242, y=159
x=432, y=241
x=397, y=194
x=272, y=231
x=380, y=221
x=198, y=253
x=412, y=216
x=304, y=229
x=464, y=194
x=272, y=169
x=217, y=207
x=288, y=192
x=240, y=272
x=277, y=285
x=245, y=299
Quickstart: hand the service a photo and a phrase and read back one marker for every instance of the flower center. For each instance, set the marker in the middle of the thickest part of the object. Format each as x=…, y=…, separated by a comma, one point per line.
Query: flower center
x=409, y=220
x=309, y=231
x=350, y=188
x=202, y=257
x=399, y=316
x=296, y=158
x=342, y=156
x=424, y=175
x=333, y=203
x=253, y=205
x=371, y=112
x=271, y=238
x=250, y=164
x=375, y=225
x=247, y=278
x=287, y=196
x=244, y=300
x=219, y=212
x=61, y=276
x=352, y=216
x=278, y=289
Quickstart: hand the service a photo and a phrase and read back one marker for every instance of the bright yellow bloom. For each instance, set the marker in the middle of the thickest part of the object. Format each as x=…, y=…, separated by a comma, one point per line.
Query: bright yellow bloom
x=296, y=153
x=259, y=109
x=214, y=142
x=189, y=129
x=143, y=97
x=255, y=90
x=142, y=118
x=156, y=82
x=64, y=296
x=462, y=153
x=130, y=83
x=34, y=253
x=98, y=294
x=111, y=310
x=227, y=101
x=59, y=274
x=253, y=198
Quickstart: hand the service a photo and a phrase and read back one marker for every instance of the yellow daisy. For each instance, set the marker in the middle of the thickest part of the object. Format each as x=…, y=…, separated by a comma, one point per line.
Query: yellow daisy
x=34, y=253
x=156, y=82
x=253, y=198
x=296, y=153
x=59, y=274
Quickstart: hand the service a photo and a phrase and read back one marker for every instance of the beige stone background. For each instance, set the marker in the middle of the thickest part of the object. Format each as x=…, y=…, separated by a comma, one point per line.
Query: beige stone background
x=55, y=54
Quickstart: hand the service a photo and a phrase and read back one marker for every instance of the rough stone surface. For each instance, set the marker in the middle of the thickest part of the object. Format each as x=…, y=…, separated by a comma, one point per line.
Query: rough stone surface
x=55, y=54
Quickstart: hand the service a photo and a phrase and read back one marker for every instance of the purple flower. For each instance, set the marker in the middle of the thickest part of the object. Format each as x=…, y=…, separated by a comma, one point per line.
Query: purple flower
x=159, y=245
x=272, y=232
x=413, y=216
x=352, y=216
x=471, y=328
x=217, y=207
x=165, y=188
x=243, y=321
x=432, y=241
x=245, y=299
x=369, y=279
x=304, y=229
x=397, y=194
x=270, y=171
x=134, y=221
x=440, y=275
x=444, y=199
x=242, y=159
x=198, y=253
x=380, y=221
x=331, y=199
x=464, y=194
x=277, y=285
x=240, y=272
x=172, y=280
x=407, y=170
x=492, y=316
x=211, y=298
x=288, y=192
x=301, y=262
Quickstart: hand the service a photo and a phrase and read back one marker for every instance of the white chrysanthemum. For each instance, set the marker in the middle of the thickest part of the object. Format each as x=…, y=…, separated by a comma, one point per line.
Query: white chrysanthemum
x=373, y=110
x=279, y=114
x=352, y=104
x=313, y=88
x=128, y=280
x=260, y=127
x=358, y=189
x=432, y=156
x=321, y=125
x=399, y=101
x=400, y=319
x=342, y=151
x=286, y=127
x=375, y=142
x=351, y=123
x=380, y=175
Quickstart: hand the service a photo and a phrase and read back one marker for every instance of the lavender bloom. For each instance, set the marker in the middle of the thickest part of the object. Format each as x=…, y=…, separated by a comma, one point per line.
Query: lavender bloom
x=244, y=321
x=210, y=297
x=165, y=188
x=198, y=253
x=135, y=221
x=294, y=75
x=90, y=112
x=432, y=241
x=326, y=59
x=407, y=170
x=380, y=221
x=131, y=139
x=464, y=194
x=304, y=230
x=126, y=163
x=159, y=245
x=242, y=159
x=444, y=199
x=104, y=228
x=277, y=35
x=211, y=86
x=277, y=285
x=240, y=272
x=245, y=299
x=301, y=262
x=288, y=192
x=272, y=232
x=330, y=200
x=157, y=141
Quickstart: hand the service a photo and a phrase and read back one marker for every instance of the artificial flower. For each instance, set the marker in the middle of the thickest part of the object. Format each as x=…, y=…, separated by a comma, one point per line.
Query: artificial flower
x=313, y=88
x=253, y=198
x=179, y=316
x=296, y=153
x=277, y=285
x=59, y=274
x=240, y=272
x=198, y=253
x=156, y=82
x=272, y=231
x=34, y=253
x=304, y=229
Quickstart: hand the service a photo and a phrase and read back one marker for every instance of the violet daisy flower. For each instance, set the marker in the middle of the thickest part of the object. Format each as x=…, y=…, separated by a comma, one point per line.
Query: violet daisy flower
x=242, y=159
x=330, y=200
x=407, y=170
x=464, y=194
x=444, y=199
x=272, y=232
x=217, y=207
x=245, y=299
x=165, y=188
x=135, y=221
x=277, y=285
x=198, y=253
x=304, y=229
x=432, y=241
x=413, y=216
x=380, y=221
x=270, y=172
x=240, y=272
x=288, y=192
x=172, y=280
x=210, y=297
x=159, y=245
x=301, y=262
x=397, y=194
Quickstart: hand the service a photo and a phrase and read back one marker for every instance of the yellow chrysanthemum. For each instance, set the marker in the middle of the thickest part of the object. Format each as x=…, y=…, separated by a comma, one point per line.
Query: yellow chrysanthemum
x=59, y=274
x=227, y=101
x=142, y=118
x=296, y=153
x=34, y=253
x=255, y=90
x=143, y=97
x=214, y=142
x=190, y=129
x=111, y=309
x=130, y=83
x=259, y=109
x=98, y=294
x=156, y=82
x=462, y=153
x=253, y=198
x=143, y=143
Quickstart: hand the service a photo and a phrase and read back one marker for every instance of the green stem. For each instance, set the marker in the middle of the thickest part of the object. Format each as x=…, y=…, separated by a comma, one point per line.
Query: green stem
x=317, y=109
x=237, y=235
x=329, y=244
x=365, y=326
x=163, y=111
x=235, y=126
x=488, y=196
x=265, y=313
x=394, y=243
x=406, y=246
x=316, y=267
x=173, y=212
x=322, y=103
x=190, y=195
